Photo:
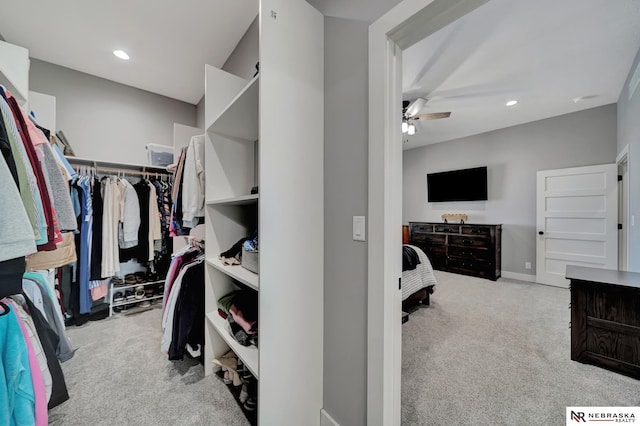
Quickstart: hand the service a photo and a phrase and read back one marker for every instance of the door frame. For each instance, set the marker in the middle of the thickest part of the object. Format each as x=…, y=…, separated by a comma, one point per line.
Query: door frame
x=624, y=214
x=406, y=24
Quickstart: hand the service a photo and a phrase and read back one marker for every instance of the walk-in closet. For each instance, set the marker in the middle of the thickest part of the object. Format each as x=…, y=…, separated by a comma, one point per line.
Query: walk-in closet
x=161, y=239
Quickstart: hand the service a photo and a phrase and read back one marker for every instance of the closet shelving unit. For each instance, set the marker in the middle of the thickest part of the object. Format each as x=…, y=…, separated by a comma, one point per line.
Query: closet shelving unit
x=231, y=210
x=269, y=132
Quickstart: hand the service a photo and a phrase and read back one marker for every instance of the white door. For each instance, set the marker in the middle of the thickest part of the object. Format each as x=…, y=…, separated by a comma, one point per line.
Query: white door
x=577, y=221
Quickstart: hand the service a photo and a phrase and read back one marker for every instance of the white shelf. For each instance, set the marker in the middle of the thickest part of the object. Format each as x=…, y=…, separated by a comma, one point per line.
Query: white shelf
x=248, y=354
x=235, y=201
x=130, y=302
x=240, y=118
x=124, y=287
x=236, y=272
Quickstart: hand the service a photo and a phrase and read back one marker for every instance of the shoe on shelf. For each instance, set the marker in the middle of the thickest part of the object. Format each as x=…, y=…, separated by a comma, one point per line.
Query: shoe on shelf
x=144, y=304
x=139, y=292
x=118, y=297
x=250, y=404
x=130, y=279
x=117, y=281
x=141, y=277
x=129, y=295
x=244, y=394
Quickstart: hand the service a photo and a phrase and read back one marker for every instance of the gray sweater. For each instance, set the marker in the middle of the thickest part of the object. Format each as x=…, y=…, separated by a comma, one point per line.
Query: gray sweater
x=16, y=234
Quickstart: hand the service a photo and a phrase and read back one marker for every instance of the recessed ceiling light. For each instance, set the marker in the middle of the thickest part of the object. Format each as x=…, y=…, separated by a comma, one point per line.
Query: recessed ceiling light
x=121, y=54
x=511, y=103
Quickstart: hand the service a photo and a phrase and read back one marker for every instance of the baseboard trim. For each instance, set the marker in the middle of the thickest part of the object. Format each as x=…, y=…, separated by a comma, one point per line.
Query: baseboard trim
x=326, y=419
x=517, y=276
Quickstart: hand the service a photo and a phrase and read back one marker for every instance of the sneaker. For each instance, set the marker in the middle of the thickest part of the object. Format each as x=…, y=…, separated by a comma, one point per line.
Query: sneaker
x=250, y=404
x=141, y=277
x=226, y=378
x=144, y=304
x=129, y=295
x=118, y=297
x=117, y=281
x=139, y=292
x=130, y=279
x=244, y=395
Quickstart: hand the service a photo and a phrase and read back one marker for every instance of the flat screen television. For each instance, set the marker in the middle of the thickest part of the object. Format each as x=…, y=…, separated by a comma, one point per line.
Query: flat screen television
x=457, y=185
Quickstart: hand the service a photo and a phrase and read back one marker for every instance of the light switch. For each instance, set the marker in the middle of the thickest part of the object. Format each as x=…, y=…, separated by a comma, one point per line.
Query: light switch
x=359, y=228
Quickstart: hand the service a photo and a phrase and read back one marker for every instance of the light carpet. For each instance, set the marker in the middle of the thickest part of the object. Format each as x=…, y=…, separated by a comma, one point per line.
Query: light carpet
x=118, y=376
x=498, y=353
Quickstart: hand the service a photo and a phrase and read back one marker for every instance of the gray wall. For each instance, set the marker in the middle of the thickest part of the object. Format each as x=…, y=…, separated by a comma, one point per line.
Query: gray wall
x=241, y=62
x=105, y=120
x=513, y=156
x=629, y=134
x=346, y=183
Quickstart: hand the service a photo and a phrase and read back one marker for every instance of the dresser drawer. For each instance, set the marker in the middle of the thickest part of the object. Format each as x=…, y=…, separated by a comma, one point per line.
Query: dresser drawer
x=427, y=239
x=479, y=268
x=421, y=227
x=476, y=230
x=453, y=229
x=470, y=252
x=459, y=240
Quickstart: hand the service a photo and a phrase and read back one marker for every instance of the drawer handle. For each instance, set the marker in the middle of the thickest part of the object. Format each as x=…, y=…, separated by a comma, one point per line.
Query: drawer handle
x=467, y=241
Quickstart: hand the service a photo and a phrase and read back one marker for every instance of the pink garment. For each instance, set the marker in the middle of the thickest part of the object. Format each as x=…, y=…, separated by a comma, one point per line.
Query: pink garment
x=39, y=391
x=174, y=269
x=239, y=319
x=99, y=291
x=38, y=138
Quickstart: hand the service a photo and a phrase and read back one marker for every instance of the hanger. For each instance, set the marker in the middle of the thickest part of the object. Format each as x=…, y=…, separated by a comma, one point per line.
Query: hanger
x=5, y=309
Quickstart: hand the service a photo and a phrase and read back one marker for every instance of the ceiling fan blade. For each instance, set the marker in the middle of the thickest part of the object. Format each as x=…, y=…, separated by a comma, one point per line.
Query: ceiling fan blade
x=433, y=116
x=414, y=107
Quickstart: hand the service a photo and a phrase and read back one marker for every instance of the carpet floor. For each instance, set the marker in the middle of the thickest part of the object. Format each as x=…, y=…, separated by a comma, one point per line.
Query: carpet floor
x=498, y=353
x=118, y=376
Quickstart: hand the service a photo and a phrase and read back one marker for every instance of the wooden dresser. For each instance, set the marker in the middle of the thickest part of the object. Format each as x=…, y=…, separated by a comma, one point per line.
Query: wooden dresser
x=605, y=318
x=469, y=249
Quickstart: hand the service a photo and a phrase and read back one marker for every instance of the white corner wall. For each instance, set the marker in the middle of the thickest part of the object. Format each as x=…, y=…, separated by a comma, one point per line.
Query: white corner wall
x=106, y=120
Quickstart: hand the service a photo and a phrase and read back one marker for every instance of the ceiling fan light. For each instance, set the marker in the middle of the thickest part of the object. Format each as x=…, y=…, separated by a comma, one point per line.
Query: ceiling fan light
x=121, y=54
x=411, y=129
x=405, y=127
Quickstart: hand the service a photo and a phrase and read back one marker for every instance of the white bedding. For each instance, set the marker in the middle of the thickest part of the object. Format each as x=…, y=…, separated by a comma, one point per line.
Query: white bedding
x=418, y=278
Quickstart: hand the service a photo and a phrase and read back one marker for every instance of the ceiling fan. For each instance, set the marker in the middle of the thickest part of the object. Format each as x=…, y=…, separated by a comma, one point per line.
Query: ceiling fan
x=411, y=112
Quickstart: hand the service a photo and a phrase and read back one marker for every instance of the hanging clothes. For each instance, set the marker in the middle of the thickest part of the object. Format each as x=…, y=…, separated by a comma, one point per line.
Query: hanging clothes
x=194, y=183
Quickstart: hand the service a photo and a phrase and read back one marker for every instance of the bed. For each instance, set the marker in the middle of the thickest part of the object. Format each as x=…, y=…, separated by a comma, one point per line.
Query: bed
x=419, y=283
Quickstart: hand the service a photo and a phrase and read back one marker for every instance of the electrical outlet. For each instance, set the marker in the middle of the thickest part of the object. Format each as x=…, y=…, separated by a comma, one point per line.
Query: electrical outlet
x=527, y=265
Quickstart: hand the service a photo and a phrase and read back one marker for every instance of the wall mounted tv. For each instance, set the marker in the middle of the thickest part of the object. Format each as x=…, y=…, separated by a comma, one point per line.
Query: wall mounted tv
x=457, y=185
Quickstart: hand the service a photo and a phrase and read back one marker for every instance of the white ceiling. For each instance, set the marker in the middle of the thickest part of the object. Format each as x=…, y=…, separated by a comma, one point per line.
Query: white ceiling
x=169, y=41
x=543, y=53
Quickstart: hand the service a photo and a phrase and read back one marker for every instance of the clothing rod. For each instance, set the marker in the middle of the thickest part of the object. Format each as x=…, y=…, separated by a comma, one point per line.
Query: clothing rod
x=131, y=172
x=113, y=164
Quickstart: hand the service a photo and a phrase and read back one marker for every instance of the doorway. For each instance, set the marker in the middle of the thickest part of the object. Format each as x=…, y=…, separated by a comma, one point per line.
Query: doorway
x=402, y=27
x=405, y=25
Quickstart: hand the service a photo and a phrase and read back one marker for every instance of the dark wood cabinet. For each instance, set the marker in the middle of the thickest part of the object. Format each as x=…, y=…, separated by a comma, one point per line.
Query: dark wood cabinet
x=605, y=318
x=469, y=249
